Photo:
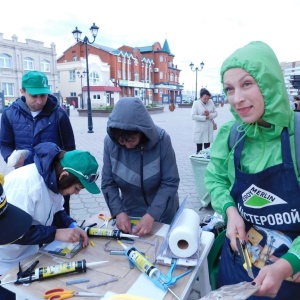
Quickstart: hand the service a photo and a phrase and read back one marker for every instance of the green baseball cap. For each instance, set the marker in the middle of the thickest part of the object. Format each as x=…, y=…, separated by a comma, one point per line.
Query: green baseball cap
x=35, y=83
x=84, y=166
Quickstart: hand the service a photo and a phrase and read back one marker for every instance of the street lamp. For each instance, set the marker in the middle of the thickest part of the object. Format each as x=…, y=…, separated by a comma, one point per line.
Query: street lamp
x=81, y=75
x=196, y=70
x=85, y=41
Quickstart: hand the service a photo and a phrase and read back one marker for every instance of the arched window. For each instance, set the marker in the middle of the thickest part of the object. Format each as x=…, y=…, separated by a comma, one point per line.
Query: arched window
x=94, y=78
x=28, y=63
x=5, y=61
x=45, y=66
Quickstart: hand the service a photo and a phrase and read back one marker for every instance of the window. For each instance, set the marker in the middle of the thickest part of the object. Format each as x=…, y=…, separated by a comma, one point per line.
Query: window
x=72, y=94
x=119, y=73
x=96, y=97
x=136, y=76
x=75, y=58
x=5, y=61
x=45, y=66
x=94, y=78
x=161, y=58
x=8, y=89
x=171, y=77
x=28, y=63
x=119, y=59
x=72, y=76
x=161, y=75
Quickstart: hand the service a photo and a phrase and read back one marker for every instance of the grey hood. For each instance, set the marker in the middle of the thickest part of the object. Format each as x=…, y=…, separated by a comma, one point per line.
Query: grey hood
x=131, y=114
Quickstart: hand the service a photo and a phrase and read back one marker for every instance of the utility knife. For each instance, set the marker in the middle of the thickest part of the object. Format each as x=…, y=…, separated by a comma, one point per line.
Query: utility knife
x=243, y=251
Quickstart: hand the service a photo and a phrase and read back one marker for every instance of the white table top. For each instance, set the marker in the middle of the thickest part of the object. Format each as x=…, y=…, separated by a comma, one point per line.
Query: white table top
x=129, y=280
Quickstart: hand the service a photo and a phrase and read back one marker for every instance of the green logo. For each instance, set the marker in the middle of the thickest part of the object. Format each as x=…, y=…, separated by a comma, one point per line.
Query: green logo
x=255, y=197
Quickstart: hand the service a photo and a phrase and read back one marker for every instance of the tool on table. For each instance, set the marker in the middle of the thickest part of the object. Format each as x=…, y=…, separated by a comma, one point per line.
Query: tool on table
x=243, y=251
x=113, y=233
x=113, y=279
x=56, y=270
x=103, y=217
x=75, y=281
x=60, y=293
x=164, y=282
x=28, y=272
x=82, y=223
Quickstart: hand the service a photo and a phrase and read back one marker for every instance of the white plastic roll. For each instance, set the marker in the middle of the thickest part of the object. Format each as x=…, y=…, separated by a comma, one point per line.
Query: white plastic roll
x=184, y=237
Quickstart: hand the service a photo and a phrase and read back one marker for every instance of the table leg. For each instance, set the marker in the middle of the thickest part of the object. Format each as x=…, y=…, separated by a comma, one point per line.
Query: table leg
x=202, y=283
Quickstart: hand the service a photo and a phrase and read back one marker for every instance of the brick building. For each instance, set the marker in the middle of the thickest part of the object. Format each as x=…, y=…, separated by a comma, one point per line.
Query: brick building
x=145, y=72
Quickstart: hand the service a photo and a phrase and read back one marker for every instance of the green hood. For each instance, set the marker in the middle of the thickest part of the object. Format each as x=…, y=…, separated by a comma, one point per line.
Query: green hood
x=259, y=60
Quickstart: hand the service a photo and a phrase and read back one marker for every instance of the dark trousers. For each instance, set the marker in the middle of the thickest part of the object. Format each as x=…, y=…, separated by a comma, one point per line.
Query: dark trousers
x=6, y=294
x=231, y=271
x=67, y=204
x=199, y=146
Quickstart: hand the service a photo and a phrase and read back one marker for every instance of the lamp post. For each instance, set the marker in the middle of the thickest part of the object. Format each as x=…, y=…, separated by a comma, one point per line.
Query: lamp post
x=196, y=70
x=85, y=41
x=81, y=75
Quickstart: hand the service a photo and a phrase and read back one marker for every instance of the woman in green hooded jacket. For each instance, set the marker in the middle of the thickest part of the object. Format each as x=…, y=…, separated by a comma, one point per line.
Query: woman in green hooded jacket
x=255, y=183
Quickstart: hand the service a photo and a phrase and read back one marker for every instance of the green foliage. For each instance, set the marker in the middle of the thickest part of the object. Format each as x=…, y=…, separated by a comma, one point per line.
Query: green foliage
x=108, y=107
x=151, y=105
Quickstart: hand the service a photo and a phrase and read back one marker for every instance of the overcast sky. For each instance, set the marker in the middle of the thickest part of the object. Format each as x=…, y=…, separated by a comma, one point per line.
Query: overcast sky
x=196, y=30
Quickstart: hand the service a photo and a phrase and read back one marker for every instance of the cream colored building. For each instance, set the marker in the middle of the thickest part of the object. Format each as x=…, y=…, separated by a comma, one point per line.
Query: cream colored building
x=17, y=58
x=72, y=82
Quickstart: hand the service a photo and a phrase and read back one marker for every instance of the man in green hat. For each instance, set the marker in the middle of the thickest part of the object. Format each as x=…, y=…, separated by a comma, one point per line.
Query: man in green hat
x=34, y=118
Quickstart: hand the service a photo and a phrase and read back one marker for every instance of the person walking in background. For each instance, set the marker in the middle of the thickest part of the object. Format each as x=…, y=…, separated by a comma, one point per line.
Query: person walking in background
x=140, y=175
x=34, y=118
x=203, y=113
x=254, y=183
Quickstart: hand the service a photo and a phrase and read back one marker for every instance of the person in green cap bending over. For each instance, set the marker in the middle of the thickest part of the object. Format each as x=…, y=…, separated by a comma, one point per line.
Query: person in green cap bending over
x=38, y=189
x=34, y=118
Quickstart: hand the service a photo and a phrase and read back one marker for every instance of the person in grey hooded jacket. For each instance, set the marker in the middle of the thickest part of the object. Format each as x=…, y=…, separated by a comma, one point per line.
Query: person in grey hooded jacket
x=140, y=175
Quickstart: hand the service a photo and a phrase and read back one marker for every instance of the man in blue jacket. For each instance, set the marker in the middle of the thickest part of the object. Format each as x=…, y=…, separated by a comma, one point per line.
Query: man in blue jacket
x=34, y=118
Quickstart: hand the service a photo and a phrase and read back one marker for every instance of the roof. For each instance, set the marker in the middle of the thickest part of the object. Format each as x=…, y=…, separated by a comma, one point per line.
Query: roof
x=166, y=47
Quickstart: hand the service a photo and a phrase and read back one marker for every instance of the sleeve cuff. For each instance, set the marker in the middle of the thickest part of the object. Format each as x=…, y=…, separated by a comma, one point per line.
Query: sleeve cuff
x=293, y=260
x=72, y=225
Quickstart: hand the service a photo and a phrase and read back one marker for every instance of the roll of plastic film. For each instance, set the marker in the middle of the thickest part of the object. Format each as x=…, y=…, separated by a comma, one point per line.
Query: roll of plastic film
x=184, y=237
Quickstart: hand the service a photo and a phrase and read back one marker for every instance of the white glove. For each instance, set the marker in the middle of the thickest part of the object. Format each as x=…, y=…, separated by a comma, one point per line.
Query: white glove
x=15, y=157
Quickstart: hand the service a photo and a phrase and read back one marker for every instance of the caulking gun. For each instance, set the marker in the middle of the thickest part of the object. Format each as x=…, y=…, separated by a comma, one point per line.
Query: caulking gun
x=164, y=282
x=113, y=233
x=55, y=270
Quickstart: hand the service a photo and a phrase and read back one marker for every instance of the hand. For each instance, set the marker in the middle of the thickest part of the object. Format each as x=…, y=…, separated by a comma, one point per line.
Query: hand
x=271, y=277
x=144, y=226
x=206, y=113
x=20, y=162
x=72, y=235
x=123, y=222
x=235, y=225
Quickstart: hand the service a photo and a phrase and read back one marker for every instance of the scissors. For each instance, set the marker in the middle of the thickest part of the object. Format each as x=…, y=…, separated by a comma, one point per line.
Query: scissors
x=60, y=293
x=103, y=217
x=243, y=251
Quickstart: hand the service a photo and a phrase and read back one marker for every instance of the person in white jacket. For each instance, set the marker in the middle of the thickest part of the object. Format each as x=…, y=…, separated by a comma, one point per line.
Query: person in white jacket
x=203, y=114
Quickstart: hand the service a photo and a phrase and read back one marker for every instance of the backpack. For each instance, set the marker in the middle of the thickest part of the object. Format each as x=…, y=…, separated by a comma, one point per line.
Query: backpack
x=234, y=136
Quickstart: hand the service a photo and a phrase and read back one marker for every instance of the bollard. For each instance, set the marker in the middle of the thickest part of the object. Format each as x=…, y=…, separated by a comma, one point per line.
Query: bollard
x=68, y=110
